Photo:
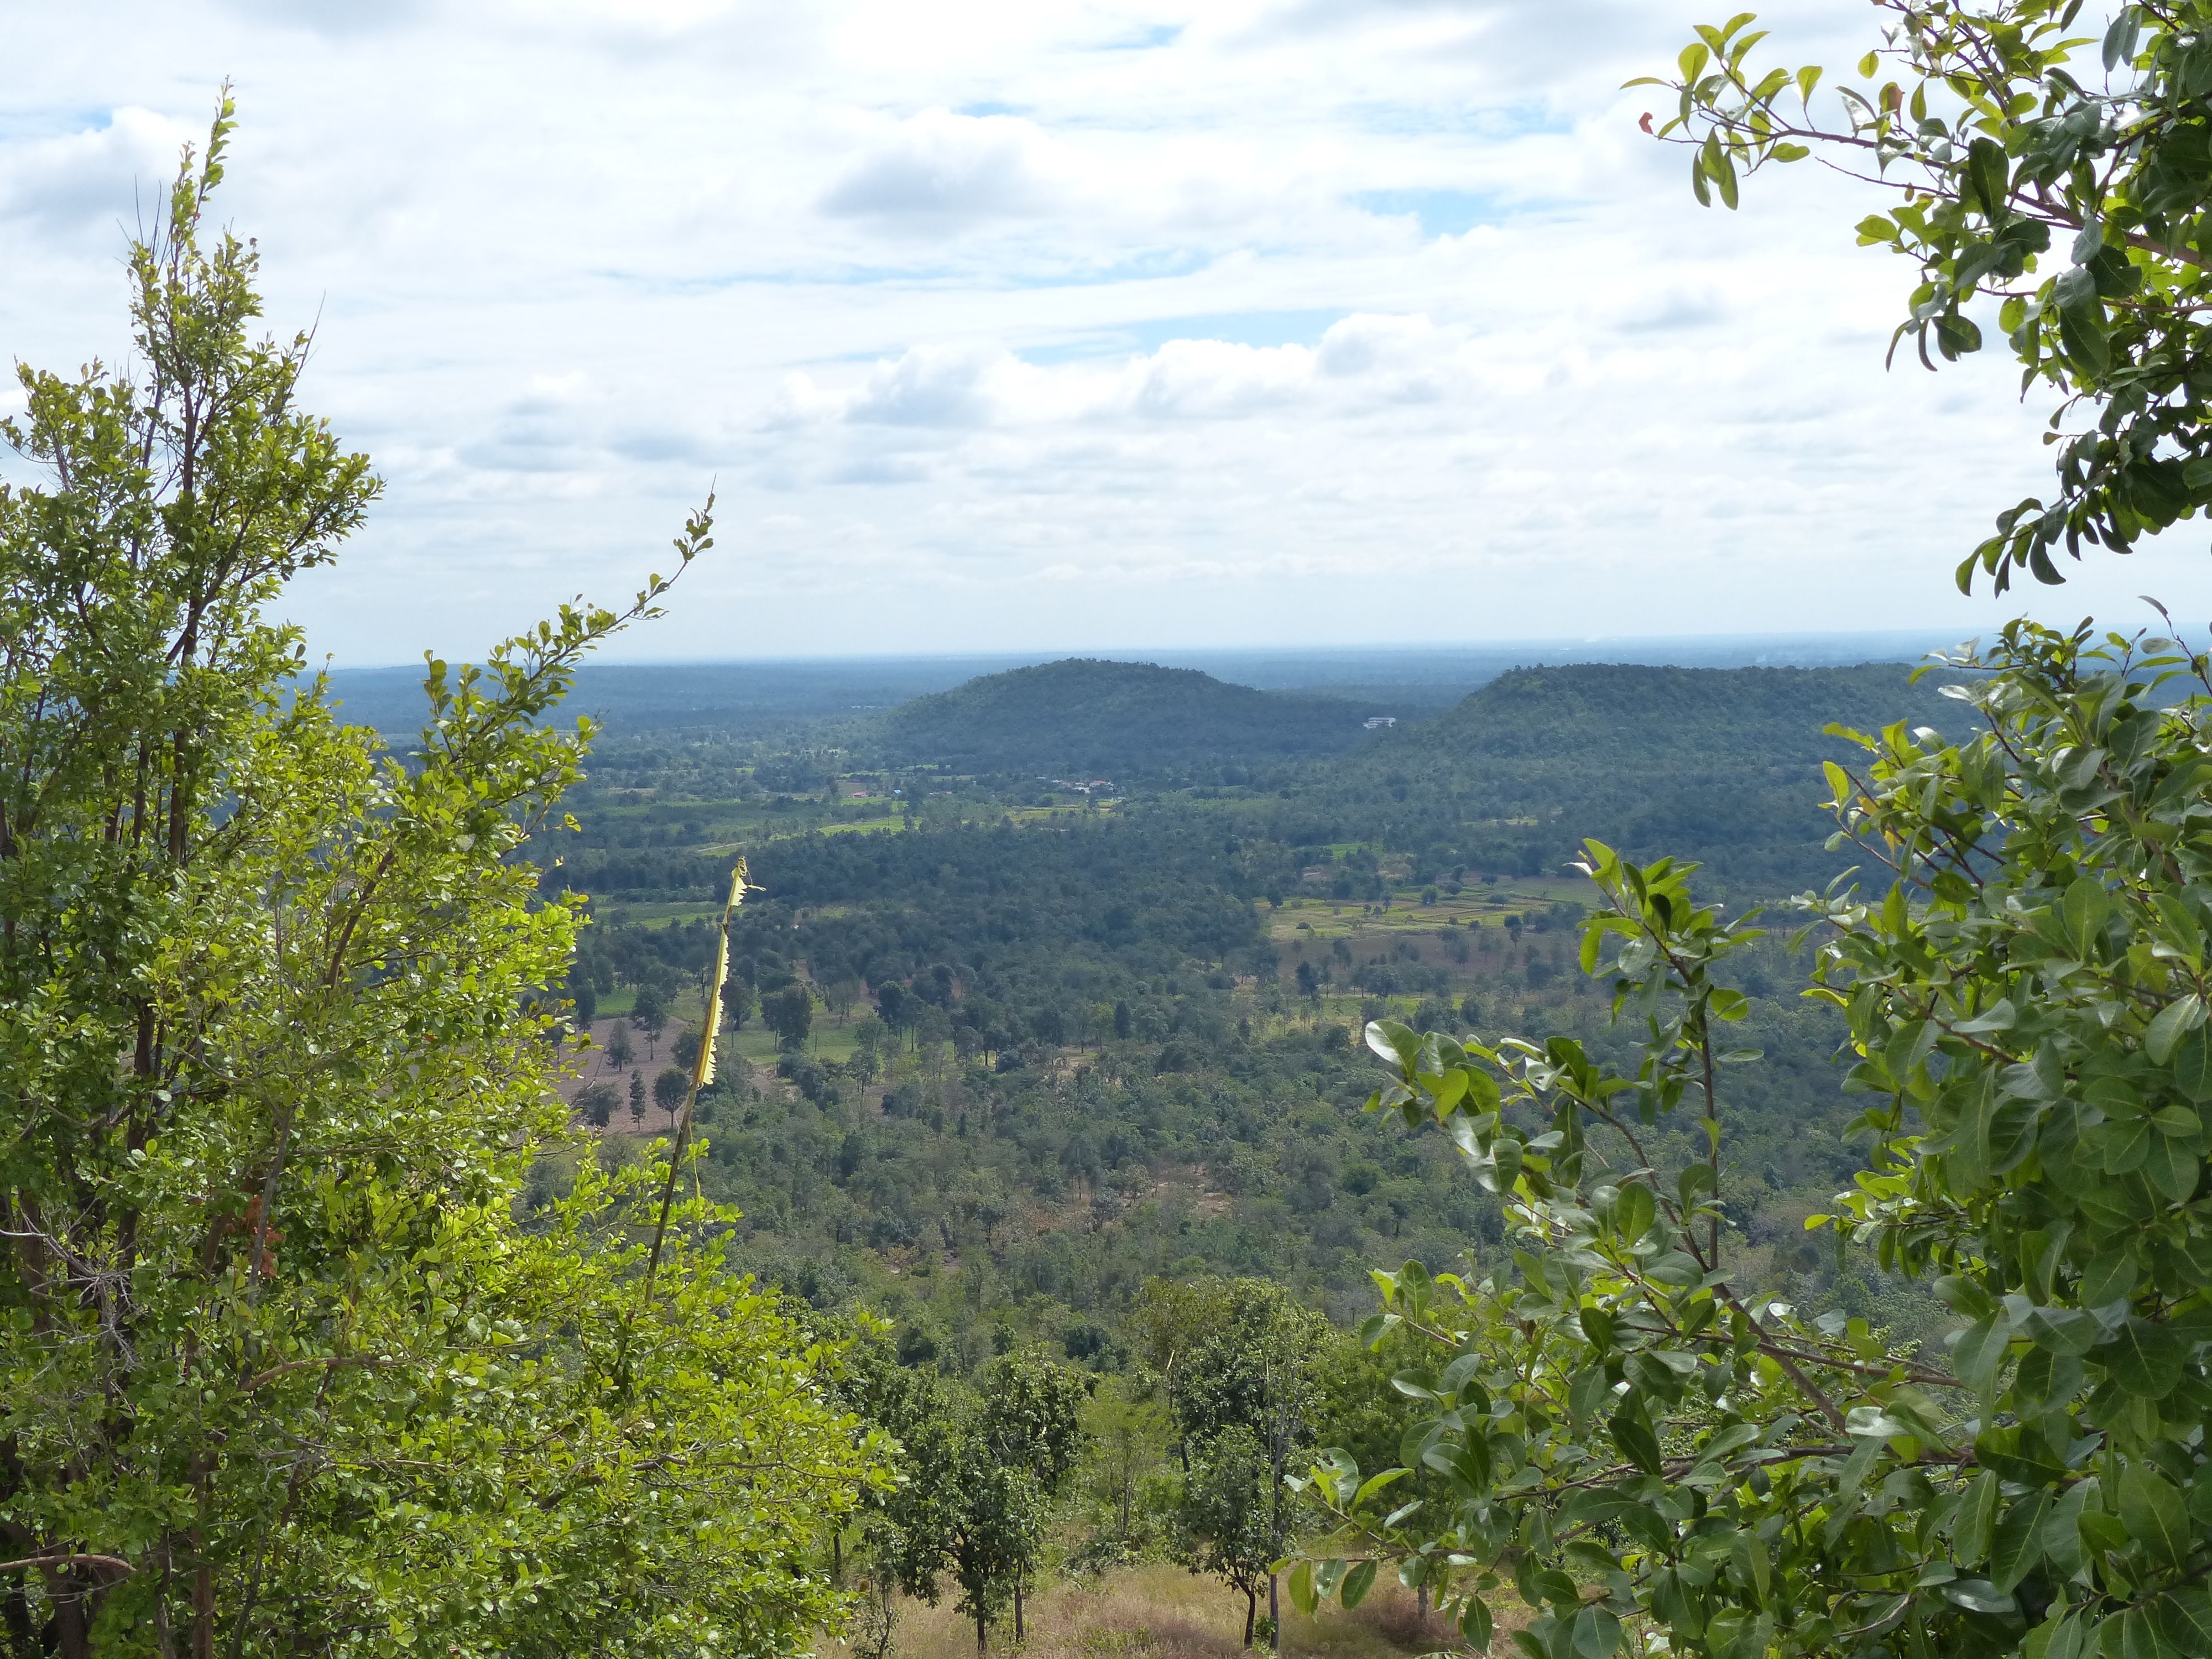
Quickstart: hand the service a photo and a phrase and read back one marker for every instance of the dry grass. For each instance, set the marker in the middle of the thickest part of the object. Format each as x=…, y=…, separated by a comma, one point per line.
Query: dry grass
x=1164, y=1612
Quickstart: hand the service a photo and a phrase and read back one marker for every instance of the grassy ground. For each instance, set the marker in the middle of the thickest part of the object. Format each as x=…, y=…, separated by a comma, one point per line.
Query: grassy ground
x=1159, y=1612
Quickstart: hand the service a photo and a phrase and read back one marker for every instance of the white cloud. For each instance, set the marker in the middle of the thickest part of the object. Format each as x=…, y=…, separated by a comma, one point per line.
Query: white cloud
x=938, y=170
x=60, y=183
x=1086, y=323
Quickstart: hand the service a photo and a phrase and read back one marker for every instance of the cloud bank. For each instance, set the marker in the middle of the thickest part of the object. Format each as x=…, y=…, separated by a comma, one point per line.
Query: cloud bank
x=1093, y=323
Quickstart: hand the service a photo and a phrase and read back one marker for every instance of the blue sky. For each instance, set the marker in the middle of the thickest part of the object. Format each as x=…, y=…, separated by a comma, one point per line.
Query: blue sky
x=1088, y=325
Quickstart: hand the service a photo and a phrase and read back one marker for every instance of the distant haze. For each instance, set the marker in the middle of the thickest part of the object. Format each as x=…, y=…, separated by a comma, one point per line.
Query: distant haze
x=765, y=693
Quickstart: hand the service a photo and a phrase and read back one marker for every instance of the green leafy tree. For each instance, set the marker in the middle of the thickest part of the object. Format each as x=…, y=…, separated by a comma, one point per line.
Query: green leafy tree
x=637, y=1098
x=280, y=1371
x=1126, y=1436
x=649, y=1013
x=669, y=1089
x=961, y=1510
x=597, y=1104
x=685, y=1051
x=2027, y=1005
x=1032, y=1419
x=2061, y=176
x=740, y=1004
x=790, y=1014
x=1237, y=1354
x=1231, y=1523
x=620, y=1051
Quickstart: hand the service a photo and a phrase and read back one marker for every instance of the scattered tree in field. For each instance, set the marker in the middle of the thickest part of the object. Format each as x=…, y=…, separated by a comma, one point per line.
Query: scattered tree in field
x=621, y=1052
x=740, y=1004
x=669, y=1089
x=685, y=1051
x=790, y=1014
x=1031, y=1421
x=841, y=995
x=650, y=1016
x=637, y=1098
x=1236, y=1354
x=596, y=1103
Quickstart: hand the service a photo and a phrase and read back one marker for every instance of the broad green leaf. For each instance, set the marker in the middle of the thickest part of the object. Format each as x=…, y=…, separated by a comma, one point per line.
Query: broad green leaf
x=1357, y=1584
x=1474, y=1623
x=2143, y=1357
x=1596, y=1633
x=2172, y=1022
x=2017, y=1544
x=2153, y=1511
x=1975, y=1525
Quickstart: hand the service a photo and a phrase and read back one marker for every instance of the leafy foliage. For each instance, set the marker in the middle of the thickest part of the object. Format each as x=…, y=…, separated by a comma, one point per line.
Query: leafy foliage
x=2027, y=1005
x=1999, y=142
x=281, y=1367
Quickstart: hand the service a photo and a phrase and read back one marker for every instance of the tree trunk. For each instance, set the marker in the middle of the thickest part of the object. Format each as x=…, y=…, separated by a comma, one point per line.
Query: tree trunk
x=979, y=1633
x=837, y=1559
x=1021, y=1631
x=1251, y=1612
x=1275, y=1617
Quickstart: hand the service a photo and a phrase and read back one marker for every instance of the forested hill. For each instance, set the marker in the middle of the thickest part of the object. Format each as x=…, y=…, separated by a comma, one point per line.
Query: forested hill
x=1084, y=718
x=1718, y=765
x=1746, y=716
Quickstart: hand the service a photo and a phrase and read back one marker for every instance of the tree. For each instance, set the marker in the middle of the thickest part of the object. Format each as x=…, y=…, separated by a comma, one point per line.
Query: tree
x=1229, y=1522
x=738, y=1004
x=1126, y=1436
x=1994, y=142
x=621, y=1052
x=1122, y=1021
x=280, y=1037
x=868, y=1049
x=597, y=1104
x=1236, y=1354
x=890, y=1003
x=1032, y=1420
x=841, y=995
x=790, y=1014
x=649, y=1013
x=962, y=1510
x=685, y=1051
x=669, y=1089
x=637, y=1098
x=2026, y=1005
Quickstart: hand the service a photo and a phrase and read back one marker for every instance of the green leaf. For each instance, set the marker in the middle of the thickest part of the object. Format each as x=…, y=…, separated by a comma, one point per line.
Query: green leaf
x=2017, y=1544
x=2183, y=1619
x=2174, y=1022
x=1357, y=1584
x=1302, y=1589
x=2153, y=1511
x=1980, y=1351
x=1978, y=1595
x=1635, y=1212
x=1474, y=1623
x=1972, y=1528
x=1637, y=1442
x=2143, y=1357
x=1596, y=1634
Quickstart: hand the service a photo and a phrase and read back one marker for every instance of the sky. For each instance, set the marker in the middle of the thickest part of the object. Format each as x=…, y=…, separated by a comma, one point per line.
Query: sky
x=1060, y=325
